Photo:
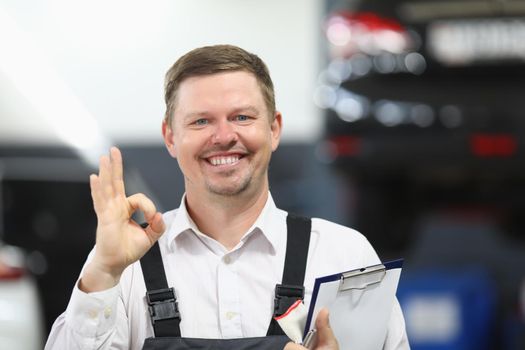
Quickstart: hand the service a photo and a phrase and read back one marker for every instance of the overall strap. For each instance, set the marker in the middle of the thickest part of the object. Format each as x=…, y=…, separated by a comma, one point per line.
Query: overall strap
x=162, y=302
x=292, y=286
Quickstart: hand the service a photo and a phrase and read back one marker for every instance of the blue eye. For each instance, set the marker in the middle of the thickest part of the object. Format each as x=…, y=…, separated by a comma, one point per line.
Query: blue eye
x=201, y=122
x=242, y=118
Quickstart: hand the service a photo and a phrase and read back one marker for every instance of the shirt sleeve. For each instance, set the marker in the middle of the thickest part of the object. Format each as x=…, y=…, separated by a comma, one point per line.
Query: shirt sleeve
x=91, y=321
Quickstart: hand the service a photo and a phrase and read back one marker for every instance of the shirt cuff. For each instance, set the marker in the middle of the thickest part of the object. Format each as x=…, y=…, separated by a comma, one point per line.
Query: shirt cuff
x=92, y=314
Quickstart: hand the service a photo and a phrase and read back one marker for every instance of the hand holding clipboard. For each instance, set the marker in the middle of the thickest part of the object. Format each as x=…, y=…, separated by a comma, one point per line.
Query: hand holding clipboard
x=324, y=336
x=360, y=303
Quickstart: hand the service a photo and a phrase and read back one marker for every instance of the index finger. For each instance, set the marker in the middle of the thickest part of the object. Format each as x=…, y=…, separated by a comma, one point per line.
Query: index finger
x=117, y=171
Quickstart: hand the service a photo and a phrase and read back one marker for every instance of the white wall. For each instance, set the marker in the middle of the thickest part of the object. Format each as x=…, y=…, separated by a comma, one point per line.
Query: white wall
x=112, y=55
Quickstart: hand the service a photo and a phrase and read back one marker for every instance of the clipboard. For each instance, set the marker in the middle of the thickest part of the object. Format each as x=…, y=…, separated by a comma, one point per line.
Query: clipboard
x=360, y=303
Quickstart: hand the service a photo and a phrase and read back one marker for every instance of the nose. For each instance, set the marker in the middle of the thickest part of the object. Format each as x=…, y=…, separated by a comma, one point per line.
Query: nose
x=224, y=133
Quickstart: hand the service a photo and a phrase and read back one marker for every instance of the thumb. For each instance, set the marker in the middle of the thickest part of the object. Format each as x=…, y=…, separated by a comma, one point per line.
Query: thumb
x=156, y=227
x=325, y=335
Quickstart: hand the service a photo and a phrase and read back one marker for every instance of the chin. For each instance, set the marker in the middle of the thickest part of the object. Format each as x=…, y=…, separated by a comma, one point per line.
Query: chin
x=230, y=191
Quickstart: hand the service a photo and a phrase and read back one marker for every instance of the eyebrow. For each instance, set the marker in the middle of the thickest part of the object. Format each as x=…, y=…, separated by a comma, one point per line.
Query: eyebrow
x=250, y=109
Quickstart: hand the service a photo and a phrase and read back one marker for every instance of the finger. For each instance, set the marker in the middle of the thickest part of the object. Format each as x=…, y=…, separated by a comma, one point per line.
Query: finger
x=94, y=184
x=156, y=227
x=117, y=171
x=325, y=334
x=322, y=320
x=104, y=175
x=141, y=202
x=157, y=224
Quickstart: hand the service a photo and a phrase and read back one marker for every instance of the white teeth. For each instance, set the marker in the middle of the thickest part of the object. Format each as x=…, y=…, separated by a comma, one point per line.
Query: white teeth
x=224, y=160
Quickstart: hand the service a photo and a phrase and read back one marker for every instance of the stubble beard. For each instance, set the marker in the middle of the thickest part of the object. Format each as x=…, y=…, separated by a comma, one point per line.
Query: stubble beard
x=230, y=190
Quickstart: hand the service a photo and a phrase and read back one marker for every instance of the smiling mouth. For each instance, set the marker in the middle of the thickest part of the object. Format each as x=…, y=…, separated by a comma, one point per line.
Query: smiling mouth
x=223, y=160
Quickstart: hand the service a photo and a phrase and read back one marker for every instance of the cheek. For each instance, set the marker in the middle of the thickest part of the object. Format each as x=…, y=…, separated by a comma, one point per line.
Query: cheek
x=186, y=156
x=258, y=138
x=190, y=144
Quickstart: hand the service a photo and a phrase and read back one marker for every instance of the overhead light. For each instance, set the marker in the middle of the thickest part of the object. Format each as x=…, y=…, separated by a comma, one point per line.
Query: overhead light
x=415, y=63
x=422, y=115
x=349, y=109
x=451, y=116
x=389, y=113
x=325, y=96
x=340, y=69
x=385, y=63
x=360, y=64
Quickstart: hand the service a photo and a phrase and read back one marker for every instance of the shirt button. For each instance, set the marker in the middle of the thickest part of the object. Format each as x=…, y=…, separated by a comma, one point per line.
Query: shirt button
x=227, y=259
x=93, y=313
x=107, y=312
x=230, y=315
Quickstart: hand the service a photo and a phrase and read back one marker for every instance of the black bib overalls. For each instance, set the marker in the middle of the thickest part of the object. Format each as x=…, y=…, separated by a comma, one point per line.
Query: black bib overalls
x=166, y=318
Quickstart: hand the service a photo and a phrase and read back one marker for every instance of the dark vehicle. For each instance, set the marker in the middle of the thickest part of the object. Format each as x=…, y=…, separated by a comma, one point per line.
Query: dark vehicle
x=424, y=117
x=414, y=80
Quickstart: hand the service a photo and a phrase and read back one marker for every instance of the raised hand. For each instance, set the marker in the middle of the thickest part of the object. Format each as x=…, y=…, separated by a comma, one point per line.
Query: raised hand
x=120, y=240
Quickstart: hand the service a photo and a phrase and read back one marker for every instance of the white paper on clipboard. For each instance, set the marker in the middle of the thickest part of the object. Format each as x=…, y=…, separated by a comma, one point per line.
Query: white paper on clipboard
x=360, y=303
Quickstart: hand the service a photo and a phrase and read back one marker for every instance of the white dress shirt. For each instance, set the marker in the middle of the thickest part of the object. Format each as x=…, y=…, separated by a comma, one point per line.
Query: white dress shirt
x=221, y=293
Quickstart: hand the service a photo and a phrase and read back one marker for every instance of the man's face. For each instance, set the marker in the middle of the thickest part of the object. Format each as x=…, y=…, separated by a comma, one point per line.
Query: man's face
x=222, y=134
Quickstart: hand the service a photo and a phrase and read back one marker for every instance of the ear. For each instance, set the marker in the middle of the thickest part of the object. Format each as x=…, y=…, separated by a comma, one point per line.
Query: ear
x=167, y=134
x=276, y=128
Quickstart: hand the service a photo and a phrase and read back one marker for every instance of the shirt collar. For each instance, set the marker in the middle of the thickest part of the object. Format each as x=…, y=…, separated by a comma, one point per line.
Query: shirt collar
x=267, y=223
x=181, y=222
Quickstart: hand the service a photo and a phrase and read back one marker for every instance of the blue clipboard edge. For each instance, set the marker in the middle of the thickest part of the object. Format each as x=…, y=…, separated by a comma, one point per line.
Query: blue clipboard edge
x=393, y=264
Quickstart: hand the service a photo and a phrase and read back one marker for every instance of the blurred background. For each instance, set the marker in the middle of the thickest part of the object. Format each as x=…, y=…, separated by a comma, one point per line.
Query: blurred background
x=402, y=119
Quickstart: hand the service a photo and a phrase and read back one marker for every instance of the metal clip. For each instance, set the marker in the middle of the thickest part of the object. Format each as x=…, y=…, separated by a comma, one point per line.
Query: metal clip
x=362, y=278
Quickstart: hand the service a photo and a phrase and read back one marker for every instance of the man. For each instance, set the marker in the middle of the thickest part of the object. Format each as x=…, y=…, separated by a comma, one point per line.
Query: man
x=224, y=249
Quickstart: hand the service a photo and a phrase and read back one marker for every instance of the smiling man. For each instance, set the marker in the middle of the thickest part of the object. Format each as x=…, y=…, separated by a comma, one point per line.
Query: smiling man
x=213, y=273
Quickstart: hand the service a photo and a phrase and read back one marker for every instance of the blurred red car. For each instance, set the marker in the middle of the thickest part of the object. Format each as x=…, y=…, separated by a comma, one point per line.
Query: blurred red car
x=21, y=321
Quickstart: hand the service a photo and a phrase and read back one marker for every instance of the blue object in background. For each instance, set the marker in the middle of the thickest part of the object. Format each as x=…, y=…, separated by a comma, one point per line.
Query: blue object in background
x=448, y=309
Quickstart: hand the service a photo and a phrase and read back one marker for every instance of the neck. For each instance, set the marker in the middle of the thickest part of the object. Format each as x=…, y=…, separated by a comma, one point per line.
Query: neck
x=226, y=218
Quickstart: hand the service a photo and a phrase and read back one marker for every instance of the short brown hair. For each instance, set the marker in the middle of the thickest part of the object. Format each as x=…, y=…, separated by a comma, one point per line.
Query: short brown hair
x=216, y=59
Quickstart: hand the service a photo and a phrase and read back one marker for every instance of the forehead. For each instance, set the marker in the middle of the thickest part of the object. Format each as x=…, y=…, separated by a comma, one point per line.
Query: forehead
x=219, y=90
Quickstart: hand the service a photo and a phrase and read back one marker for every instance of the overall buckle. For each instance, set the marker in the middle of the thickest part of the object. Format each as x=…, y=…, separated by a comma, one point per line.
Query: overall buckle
x=285, y=296
x=162, y=304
